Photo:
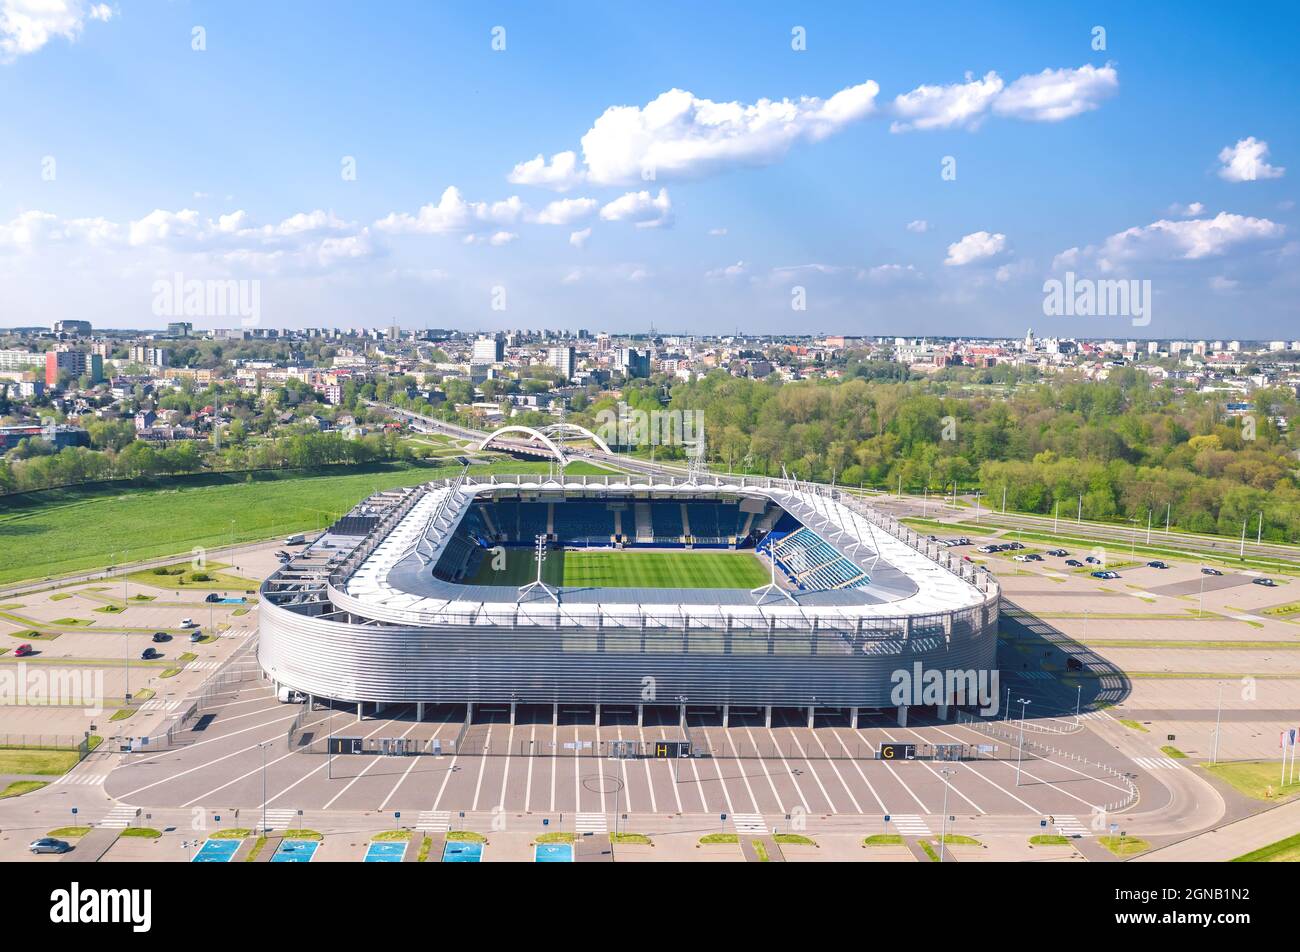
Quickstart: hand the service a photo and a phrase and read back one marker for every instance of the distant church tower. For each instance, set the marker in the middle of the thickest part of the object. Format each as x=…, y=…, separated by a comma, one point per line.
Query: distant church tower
x=1029, y=339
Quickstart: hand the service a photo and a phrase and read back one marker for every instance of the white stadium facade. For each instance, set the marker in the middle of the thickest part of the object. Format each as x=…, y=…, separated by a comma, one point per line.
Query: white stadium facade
x=378, y=610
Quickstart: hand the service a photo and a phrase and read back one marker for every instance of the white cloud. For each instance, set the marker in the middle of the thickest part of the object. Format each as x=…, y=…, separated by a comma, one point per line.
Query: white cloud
x=1221, y=284
x=942, y=107
x=678, y=136
x=977, y=246
x=1049, y=96
x=641, y=208
x=560, y=174
x=453, y=215
x=1246, y=162
x=717, y=232
x=730, y=271
x=27, y=25
x=1165, y=240
x=566, y=211
x=892, y=273
x=579, y=238
x=920, y=226
x=1056, y=94
x=1190, y=210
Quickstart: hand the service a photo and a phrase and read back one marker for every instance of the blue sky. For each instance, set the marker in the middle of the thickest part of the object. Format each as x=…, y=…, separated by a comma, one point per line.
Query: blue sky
x=130, y=156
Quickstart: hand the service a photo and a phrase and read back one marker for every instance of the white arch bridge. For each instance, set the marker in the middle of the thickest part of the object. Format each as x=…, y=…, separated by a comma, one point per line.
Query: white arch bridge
x=551, y=439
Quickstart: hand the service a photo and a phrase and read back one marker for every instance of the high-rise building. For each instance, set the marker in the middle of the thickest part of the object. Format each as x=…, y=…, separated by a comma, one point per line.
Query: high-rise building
x=488, y=349
x=562, y=359
x=75, y=363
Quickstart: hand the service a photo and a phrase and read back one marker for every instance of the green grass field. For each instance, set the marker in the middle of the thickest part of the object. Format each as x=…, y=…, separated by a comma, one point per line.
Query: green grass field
x=62, y=531
x=628, y=569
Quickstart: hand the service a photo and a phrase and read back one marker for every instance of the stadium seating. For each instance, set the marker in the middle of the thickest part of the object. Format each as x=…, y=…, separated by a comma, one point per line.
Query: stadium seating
x=811, y=562
x=667, y=520
x=584, y=522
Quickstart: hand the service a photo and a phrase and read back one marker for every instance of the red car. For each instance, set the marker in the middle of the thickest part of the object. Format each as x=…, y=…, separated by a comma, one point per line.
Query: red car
x=22, y=651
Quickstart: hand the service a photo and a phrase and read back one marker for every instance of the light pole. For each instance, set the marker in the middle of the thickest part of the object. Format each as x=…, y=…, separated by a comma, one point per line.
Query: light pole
x=1218, y=713
x=1020, y=747
x=263, y=746
x=943, y=835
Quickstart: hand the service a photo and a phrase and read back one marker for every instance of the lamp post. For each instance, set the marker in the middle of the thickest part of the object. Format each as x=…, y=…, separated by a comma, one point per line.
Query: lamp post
x=943, y=835
x=1020, y=747
x=263, y=746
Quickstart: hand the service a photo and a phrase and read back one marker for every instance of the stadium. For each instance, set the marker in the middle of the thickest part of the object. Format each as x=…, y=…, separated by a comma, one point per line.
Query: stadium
x=620, y=592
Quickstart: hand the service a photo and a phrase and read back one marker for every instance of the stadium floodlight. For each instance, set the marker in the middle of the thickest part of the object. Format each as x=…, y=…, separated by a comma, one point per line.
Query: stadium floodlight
x=765, y=590
x=525, y=590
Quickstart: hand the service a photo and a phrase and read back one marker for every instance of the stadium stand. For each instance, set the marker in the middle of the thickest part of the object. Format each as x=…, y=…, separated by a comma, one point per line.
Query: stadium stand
x=810, y=562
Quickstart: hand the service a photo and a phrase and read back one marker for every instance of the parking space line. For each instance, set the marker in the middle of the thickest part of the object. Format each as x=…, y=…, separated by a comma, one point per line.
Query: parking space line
x=415, y=759
x=366, y=769
x=894, y=773
x=627, y=787
x=649, y=777
x=505, y=774
x=744, y=776
x=699, y=785
x=211, y=740
x=857, y=807
x=555, y=758
x=815, y=775
x=532, y=757
x=317, y=770
x=726, y=794
x=1060, y=763
x=767, y=773
x=862, y=773
x=482, y=766
x=577, y=776
x=596, y=753
x=803, y=800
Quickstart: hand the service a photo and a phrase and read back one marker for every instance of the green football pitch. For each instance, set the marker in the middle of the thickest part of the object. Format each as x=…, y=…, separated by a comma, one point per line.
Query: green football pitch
x=626, y=569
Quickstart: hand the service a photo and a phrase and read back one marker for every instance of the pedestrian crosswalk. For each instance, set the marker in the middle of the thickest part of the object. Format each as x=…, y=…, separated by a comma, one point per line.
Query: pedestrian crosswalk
x=1070, y=826
x=909, y=824
x=159, y=704
x=280, y=819
x=120, y=817
x=1092, y=715
x=1158, y=763
x=751, y=824
x=84, y=778
x=591, y=823
x=434, y=821
x=203, y=665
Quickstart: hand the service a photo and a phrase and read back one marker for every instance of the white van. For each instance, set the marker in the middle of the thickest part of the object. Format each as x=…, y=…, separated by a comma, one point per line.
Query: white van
x=298, y=539
x=288, y=695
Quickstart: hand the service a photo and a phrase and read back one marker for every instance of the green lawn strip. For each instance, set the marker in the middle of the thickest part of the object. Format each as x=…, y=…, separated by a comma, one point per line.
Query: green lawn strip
x=69, y=832
x=1283, y=851
x=234, y=833
x=555, y=837
x=391, y=836
x=957, y=839
x=928, y=847
x=719, y=839
x=142, y=832
x=426, y=844
x=19, y=787
x=30, y=635
x=71, y=622
x=180, y=576
x=303, y=834
x=46, y=535
x=883, y=839
x=629, y=569
x=761, y=852
x=793, y=839
x=465, y=836
x=1290, y=608
x=1133, y=725
x=57, y=597
x=187, y=657
x=1257, y=779
x=170, y=673
x=257, y=848
x=630, y=839
x=88, y=662
x=1124, y=845
x=42, y=762
x=1174, y=752
x=109, y=609
x=1049, y=839
x=123, y=713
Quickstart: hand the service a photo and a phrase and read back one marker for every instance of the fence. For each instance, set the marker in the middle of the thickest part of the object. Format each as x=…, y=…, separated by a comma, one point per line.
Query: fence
x=62, y=742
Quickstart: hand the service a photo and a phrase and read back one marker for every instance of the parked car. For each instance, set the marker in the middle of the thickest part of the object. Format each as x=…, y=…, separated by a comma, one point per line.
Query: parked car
x=22, y=651
x=1267, y=582
x=188, y=623
x=1033, y=557
x=196, y=636
x=1157, y=564
x=295, y=540
x=1074, y=563
x=987, y=549
x=1013, y=545
x=48, y=844
x=149, y=654
x=1206, y=570
x=1059, y=553
x=159, y=637
x=1020, y=558
x=1092, y=560
x=1105, y=574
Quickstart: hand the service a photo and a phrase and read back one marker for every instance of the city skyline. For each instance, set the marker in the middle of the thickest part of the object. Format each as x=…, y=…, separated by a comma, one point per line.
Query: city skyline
x=829, y=172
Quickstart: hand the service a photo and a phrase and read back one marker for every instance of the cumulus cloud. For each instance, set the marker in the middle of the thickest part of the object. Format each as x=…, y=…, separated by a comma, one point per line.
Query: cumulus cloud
x=579, y=238
x=942, y=107
x=27, y=25
x=977, y=246
x=566, y=211
x=1190, y=210
x=717, y=232
x=920, y=226
x=1247, y=161
x=1165, y=240
x=730, y=271
x=640, y=207
x=1049, y=96
x=561, y=173
x=678, y=135
x=453, y=215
